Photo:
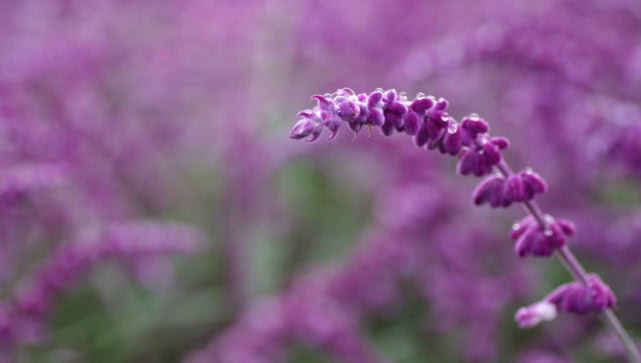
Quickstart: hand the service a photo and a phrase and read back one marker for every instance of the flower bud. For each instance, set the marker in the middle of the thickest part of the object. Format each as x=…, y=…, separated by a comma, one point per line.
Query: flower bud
x=435, y=129
x=374, y=98
x=390, y=95
x=348, y=110
x=423, y=135
x=421, y=105
x=441, y=104
x=532, y=315
x=482, y=166
x=567, y=227
x=492, y=153
x=500, y=142
x=375, y=116
x=490, y=191
x=533, y=239
x=388, y=128
x=467, y=163
x=355, y=126
x=534, y=183
x=475, y=124
x=575, y=297
x=453, y=139
x=579, y=298
x=303, y=128
x=394, y=112
x=514, y=188
x=520, y=227
x=411, y=122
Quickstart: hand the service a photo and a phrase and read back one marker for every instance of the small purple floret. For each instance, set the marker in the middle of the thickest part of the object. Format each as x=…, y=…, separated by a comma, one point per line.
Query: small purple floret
x=533, y=239
x=573, y=297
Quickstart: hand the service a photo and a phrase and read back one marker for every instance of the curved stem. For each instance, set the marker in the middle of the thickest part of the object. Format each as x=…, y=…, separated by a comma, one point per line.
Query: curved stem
x=577, y=271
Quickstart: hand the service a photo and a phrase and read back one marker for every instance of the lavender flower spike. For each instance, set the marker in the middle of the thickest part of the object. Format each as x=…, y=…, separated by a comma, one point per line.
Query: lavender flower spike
x=540, y=235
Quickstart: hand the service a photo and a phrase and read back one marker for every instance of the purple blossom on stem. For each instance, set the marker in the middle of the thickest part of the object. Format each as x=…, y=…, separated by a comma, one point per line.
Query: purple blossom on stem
x=539, y=236
x=533, y=239
x=573, y=297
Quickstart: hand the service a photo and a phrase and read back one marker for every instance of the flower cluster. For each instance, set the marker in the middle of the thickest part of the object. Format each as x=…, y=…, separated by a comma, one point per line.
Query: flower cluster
x=533, y=239
x=574, y=297
x=426, y=119
x=498, y=191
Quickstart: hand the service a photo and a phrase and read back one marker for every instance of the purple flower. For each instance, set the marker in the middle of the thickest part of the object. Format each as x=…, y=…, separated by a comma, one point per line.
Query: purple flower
x=453, y=139
x=537, y=235
x=533, y=183
x=514, y=188
x=491, y=190
x=423, y=117
x=576, y=297
x=533, y=239
x=303, y=128
x=573, y=297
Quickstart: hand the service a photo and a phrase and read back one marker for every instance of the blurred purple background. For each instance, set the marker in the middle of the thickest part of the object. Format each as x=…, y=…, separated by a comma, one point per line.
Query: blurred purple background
x=153, y=208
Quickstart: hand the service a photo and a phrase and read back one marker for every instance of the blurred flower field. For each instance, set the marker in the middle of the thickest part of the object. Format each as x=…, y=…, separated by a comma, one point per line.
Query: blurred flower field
x=154, y=208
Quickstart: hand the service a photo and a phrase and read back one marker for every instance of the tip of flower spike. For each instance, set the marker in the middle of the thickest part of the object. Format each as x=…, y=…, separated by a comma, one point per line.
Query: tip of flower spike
x=302, y=129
